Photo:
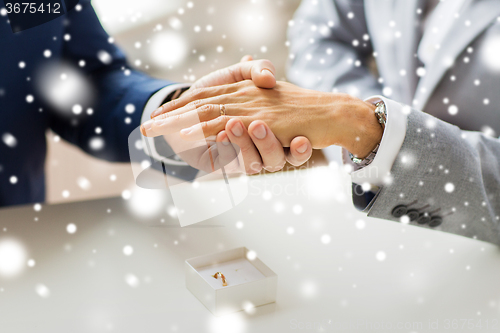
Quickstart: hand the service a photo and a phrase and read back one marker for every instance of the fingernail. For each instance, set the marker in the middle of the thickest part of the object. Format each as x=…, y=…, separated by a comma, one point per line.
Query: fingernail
x=302, y=149
x=186, y=131
x=259, y=132
x=266, y=70
x=237, y=130
x=225, y=141
x=146, y=127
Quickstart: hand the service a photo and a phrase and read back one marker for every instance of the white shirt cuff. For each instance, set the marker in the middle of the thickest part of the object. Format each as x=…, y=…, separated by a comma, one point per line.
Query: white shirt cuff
x=376, y=173
x=153, y=103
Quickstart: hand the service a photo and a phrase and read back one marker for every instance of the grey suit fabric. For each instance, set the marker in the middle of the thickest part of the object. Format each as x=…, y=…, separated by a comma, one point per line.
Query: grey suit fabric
x=331, y=46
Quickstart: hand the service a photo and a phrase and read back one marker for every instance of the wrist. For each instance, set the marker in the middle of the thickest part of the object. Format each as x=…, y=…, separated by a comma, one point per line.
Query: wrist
x=363, y=130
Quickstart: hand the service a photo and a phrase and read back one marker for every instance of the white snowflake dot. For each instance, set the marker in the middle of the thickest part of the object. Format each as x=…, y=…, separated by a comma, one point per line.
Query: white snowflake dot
x=71, y=228
x=9, y=139
x=251, y=255
x=452, y=110
x=360, y=224
x=297, y=209
x=380, y=255
x=128, y=250
x=449, y=187
x=126, y=194
x=77, y=109
x=325, y=239
x=42, y=290
x=104, y=57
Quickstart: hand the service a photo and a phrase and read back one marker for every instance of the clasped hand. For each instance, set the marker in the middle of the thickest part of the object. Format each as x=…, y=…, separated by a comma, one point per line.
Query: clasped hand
x=286, y=112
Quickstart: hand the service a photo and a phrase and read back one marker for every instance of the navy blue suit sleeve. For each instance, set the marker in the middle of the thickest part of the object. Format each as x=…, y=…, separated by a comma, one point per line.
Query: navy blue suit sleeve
x=115, y=88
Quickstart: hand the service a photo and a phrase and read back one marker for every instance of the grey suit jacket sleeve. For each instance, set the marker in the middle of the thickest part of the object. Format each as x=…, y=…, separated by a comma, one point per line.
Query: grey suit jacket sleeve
x=330, y=48
x=446, y=172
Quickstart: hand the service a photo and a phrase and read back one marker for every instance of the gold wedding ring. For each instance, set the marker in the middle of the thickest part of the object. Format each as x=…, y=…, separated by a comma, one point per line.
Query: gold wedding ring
x=222, y=109
x=219, y=274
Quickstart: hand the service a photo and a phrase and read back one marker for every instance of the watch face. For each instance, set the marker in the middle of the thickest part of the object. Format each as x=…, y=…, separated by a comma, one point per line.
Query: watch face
x=355, y=159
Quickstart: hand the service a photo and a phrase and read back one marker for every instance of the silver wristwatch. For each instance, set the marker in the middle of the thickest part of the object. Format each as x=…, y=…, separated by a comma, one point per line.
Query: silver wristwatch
x=381, y=114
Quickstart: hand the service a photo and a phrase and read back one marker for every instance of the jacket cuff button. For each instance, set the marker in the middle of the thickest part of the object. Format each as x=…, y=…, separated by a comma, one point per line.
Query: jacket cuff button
x=435, y=221
x=424, y=218
x=399, y=211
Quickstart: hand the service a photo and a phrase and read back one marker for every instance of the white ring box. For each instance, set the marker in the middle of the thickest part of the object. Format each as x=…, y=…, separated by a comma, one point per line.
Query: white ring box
x=250, y=283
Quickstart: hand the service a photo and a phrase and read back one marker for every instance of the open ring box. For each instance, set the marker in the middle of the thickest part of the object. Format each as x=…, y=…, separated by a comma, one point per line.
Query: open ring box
x=250, y=282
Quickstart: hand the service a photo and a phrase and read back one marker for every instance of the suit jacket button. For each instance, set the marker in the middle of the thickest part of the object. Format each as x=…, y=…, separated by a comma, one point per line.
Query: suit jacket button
x=413, y=214
x=399, y=211
x=435, y=221
x=424, y=218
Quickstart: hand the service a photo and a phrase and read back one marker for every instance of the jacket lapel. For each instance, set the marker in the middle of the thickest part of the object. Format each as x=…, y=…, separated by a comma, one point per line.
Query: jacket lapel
x=393, y=30
x=473, y=20
x=408, y=22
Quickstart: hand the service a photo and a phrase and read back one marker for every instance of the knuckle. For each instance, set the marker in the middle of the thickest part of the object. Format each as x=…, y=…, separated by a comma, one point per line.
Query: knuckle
x=205, y=126
x=245, y=91
x=245, y=149
x=204, y=109
x=198, y=92
x=267, y=63
x=231, y=72
x=194, y=104
x=269, y=148
x=170, y=105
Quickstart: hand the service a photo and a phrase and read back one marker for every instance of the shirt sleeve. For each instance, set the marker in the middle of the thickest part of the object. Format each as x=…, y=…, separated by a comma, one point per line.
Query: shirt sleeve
x=378, y=172
x=157, y=148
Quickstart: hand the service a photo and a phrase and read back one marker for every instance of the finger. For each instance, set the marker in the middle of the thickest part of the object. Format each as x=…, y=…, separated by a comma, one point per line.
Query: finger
x=300, y=151
x=271, y=150
x=187, y=116
x=204, y=129
x=199, y=104
x=238, y=135
x=246, y=58
x=227, y=158
x=195, y=97
x=261, y=72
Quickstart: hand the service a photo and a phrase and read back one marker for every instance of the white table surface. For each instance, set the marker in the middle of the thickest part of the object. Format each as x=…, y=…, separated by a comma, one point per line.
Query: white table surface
x=427, y=277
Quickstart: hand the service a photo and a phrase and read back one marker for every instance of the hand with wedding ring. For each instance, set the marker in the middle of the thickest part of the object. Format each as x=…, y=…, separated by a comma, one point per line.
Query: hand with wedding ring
x=290, y=111
x=259, y=147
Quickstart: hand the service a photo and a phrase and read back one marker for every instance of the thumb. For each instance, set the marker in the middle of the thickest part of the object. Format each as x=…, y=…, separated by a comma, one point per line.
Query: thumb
x=261, y=72
x=246, y=58
x=300, y=151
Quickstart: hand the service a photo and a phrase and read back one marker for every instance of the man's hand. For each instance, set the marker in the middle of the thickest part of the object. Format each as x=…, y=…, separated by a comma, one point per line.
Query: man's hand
x=258, y=145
